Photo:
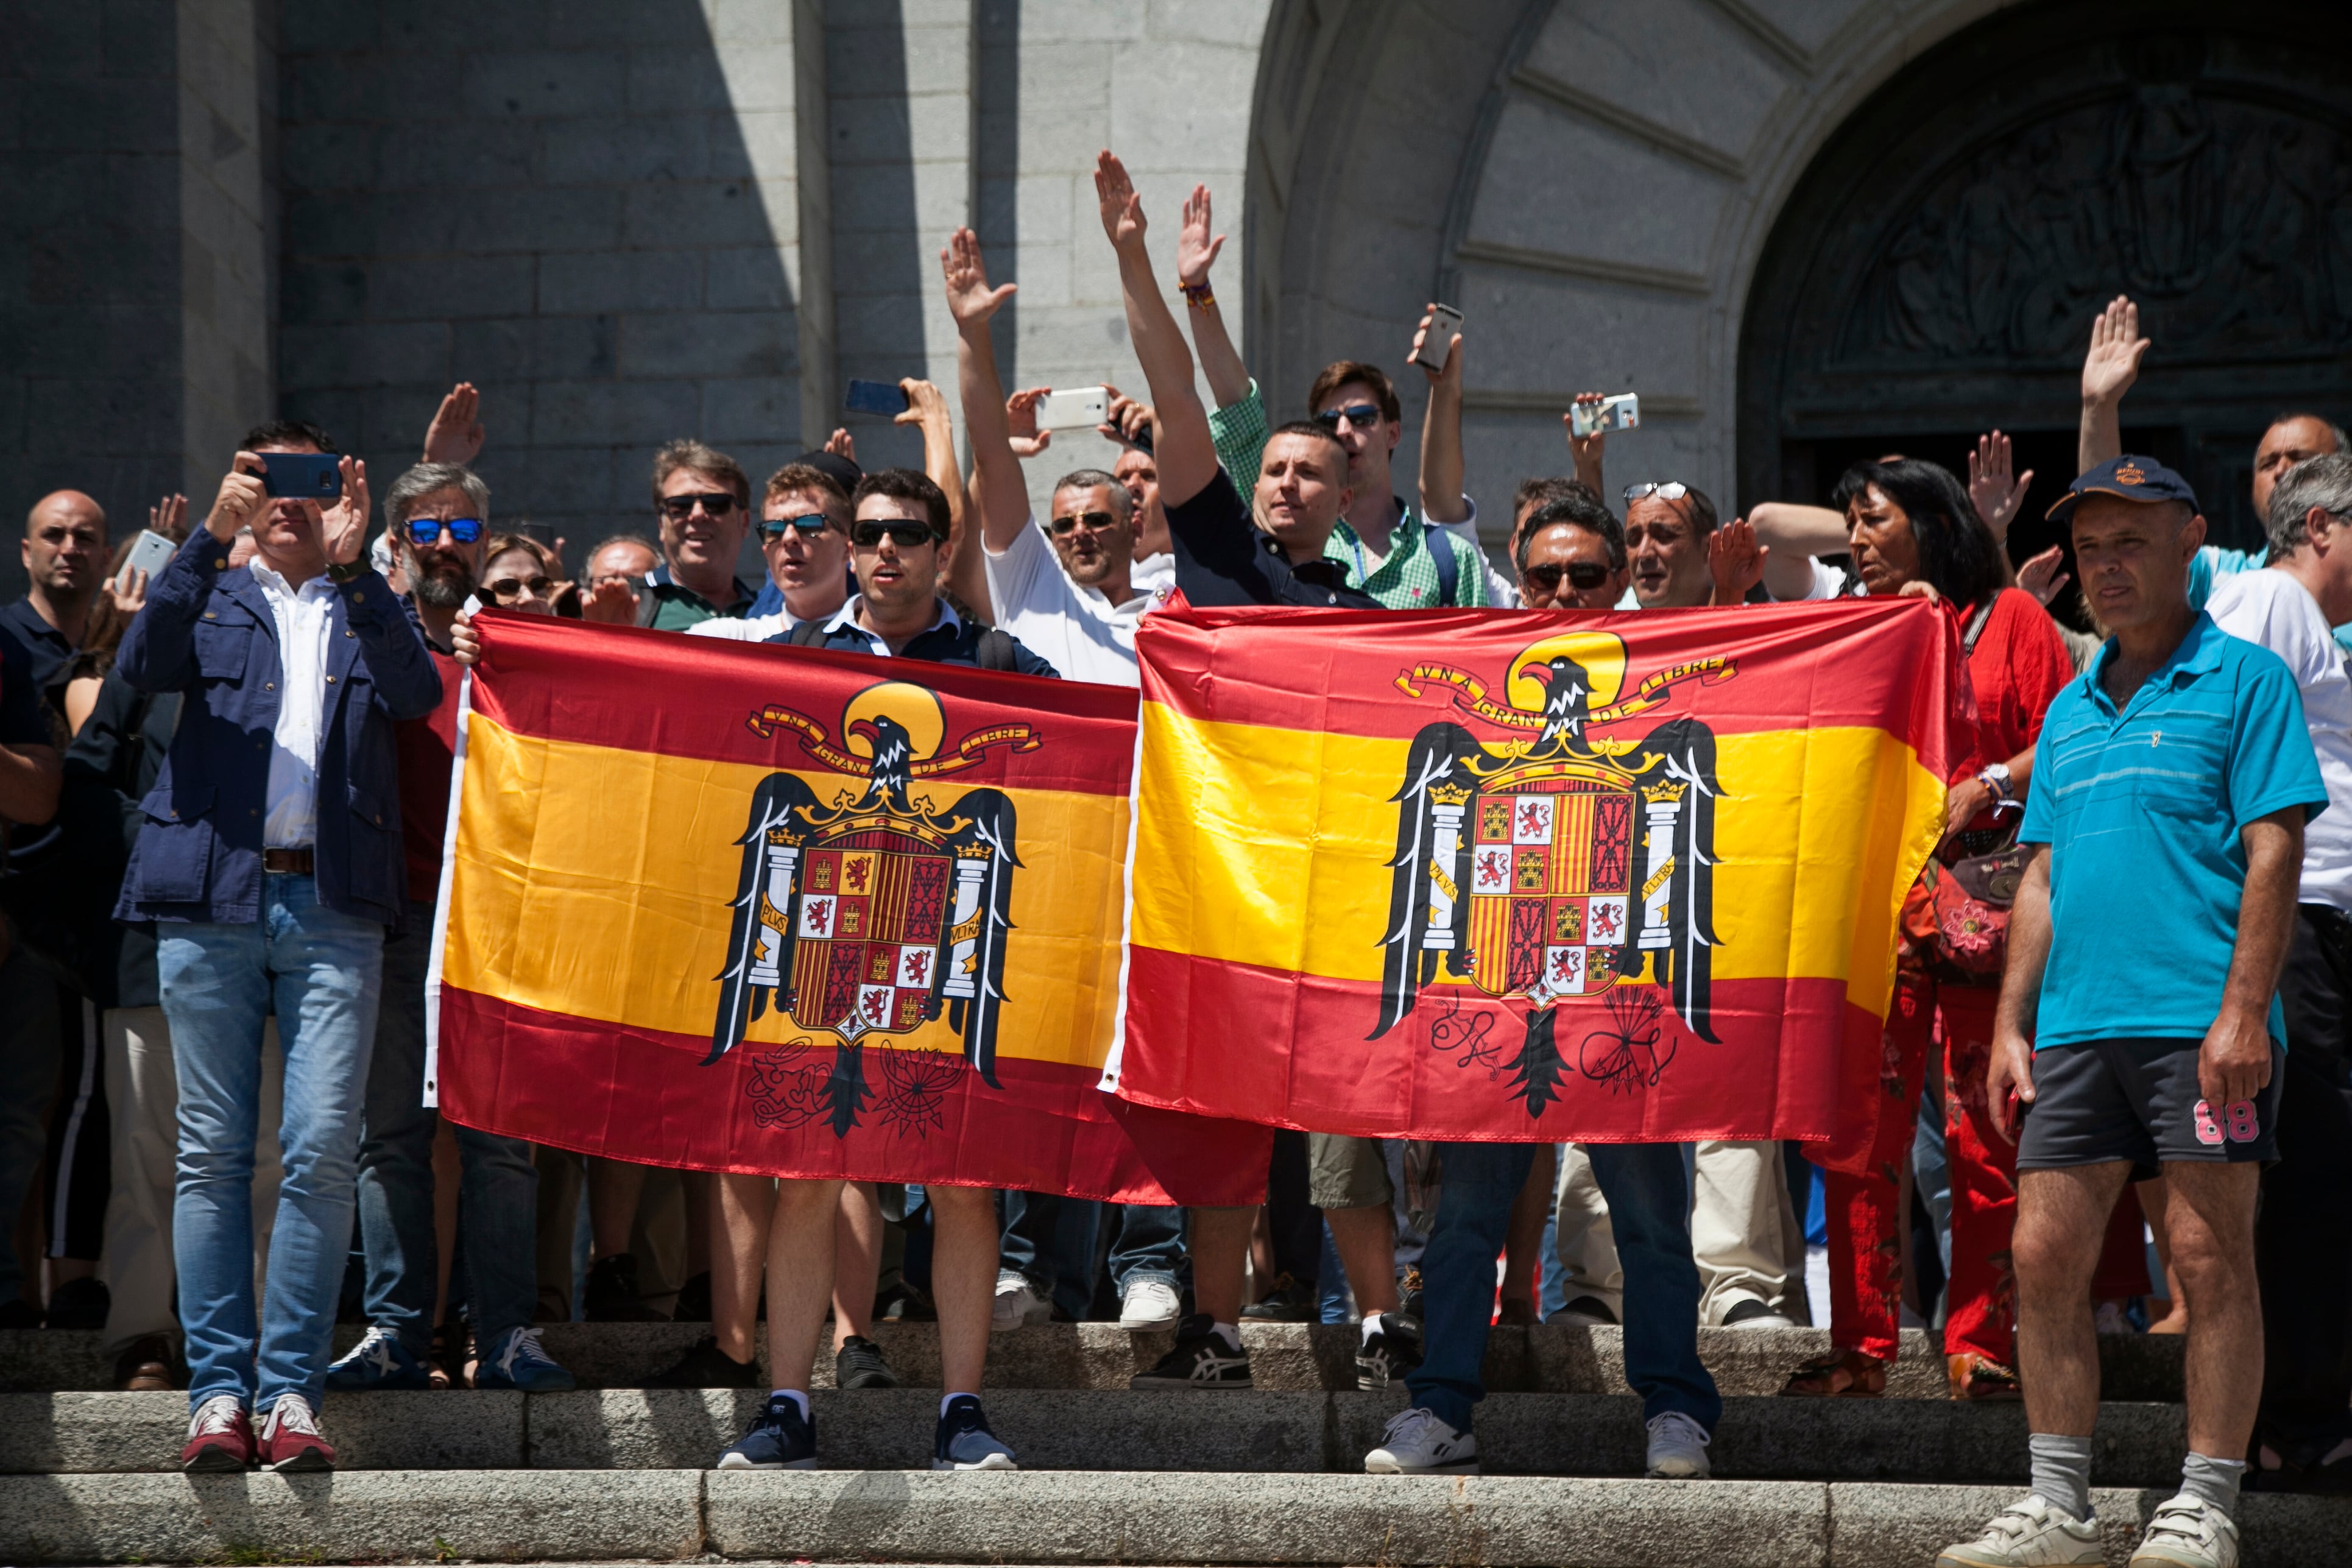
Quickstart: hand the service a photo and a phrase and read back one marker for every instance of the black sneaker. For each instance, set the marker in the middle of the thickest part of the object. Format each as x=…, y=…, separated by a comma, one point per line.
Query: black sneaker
x=1201, y=1359
x=708, y=1366
x=693, y=1303
x=1393, y=1350
x=905, y=1303
x=1588, y=1311
x=963, y=1441
x=860, y=1363
x=79, y=1304
x=1287, y=1302
x=780, y=1438
x=611, y=1296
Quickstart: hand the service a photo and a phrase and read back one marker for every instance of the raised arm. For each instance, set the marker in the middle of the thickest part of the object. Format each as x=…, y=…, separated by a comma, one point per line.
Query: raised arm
x=1187, y=459
x=455, y=433
x=927, y=409
x=1792, y=535
x=1000, y=490
x=1442, y=500
x=1196, y=252
x=2108, y=372
x=1584, y=451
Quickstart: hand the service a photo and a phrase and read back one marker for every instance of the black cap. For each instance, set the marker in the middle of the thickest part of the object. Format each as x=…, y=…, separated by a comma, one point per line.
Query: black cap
x=2127, y=479
x=837, y=468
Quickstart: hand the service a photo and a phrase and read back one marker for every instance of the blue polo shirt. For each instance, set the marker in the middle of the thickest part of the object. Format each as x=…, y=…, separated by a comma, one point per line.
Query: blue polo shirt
x=2142, y=810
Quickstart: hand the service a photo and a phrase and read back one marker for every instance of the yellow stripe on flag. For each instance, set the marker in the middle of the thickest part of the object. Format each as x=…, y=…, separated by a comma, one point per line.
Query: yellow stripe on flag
x=596, y=882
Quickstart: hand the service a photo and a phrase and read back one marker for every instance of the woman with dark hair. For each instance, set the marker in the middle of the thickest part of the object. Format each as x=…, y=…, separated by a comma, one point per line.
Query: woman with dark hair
x=1911, y=530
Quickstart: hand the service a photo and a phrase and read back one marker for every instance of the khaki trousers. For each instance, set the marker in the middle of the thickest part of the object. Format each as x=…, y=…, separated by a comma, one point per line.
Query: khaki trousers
x=1744, y=1232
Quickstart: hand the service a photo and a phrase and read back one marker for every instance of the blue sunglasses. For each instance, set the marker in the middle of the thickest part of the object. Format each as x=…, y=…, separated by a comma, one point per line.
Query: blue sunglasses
x=427, y=530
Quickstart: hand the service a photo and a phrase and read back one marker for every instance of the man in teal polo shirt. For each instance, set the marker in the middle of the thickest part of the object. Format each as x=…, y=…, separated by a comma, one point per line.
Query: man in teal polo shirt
x=2139, y=1026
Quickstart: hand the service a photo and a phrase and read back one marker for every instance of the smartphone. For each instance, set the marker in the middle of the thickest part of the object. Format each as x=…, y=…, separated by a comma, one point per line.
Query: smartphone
x=1087, y=405
x=1622, y=411
x=151, y=555
x=1141, y=439
x=1437, y=347
x=302, y=476
x=875, y=397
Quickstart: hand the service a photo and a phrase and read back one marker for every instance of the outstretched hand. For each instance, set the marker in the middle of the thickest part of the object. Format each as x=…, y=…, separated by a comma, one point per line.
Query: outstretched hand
x=970, y=299
x=1021, y=417
x=1735, y=561
x=1196, y=249
x=2045, y=576
x=1451, y=373
x=1122, y=209
x=1583, y=449
x=242, y=496
x=456, y=435
x=169, y=517
x=1997, y=492
x=2113, y=363
x=1130, y=420
x=841, y=444
x=342, y=527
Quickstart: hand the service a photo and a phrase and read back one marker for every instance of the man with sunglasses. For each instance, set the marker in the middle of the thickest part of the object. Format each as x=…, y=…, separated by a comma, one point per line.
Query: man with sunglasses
x=702, y=501
x=438, y=516
x=1669, y=530
x=804, y=535
x=1572, y=556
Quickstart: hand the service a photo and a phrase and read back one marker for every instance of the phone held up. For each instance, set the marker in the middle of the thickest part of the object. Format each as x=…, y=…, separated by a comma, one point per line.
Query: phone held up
x=1622, y=411
x=1079, y=405
x=151, y=555
x=302, y=476
x=1437, y=344
x=886, y=398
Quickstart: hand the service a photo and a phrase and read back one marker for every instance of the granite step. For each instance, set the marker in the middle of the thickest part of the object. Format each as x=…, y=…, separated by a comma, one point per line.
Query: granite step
x=1551, y=1358
x=910, y=1517
x=1074, y=1430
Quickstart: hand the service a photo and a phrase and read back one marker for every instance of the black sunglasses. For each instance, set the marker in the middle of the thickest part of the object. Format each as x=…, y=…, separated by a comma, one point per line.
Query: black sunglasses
x=1582, y=576
x=1357, y=414
x=427, y=530
x=512, y=587
x=716, y=504
x=905, y=535
x=815, y=523
x=1089, y=521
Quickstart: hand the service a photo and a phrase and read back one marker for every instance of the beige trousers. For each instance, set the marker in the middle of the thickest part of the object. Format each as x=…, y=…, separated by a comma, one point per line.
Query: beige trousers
x=142, y=1096
x=1745, y=1235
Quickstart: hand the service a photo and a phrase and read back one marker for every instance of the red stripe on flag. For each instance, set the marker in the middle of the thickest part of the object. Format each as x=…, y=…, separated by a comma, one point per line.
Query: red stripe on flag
x=644, y=1096
x=1296, y=1055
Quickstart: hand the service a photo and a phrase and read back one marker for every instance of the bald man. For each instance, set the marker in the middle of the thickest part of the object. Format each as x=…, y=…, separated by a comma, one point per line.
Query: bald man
x=64, y=556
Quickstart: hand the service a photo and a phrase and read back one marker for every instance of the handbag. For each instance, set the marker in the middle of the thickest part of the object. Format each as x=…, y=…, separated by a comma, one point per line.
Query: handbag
x=1957, y=912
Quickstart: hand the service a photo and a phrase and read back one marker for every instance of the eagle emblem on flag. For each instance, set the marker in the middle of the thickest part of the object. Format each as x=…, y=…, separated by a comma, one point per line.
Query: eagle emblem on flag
x=870, y=916
x=1561, y=864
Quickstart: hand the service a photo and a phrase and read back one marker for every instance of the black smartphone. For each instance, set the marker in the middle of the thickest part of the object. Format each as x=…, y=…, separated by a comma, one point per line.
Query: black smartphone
x=302, y=476
x=1141, y=439
x=875, y=397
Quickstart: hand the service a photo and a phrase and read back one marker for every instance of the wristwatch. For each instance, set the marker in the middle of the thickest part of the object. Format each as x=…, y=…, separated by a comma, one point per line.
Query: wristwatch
x=348, y=571
x=1996, y=778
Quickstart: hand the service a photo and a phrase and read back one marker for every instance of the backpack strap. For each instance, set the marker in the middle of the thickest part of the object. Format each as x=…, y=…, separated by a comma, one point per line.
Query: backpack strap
x=995, y=651
x=1976, y=624
x=1449, y=564
x=808, y=634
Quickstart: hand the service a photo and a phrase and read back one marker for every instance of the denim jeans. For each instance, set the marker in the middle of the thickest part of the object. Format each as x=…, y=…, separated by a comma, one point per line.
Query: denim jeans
x=1049, y=1240
x=1151, y=1244
x=498, y=1202
x=29, y=1081
x=320, y=971
x=1649, y=1201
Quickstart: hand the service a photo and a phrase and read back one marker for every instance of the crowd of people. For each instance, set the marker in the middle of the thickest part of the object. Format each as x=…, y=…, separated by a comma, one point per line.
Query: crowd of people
x=227, y=784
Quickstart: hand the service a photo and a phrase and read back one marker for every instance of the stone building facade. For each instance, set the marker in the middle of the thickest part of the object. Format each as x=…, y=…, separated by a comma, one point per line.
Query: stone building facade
x=1802, y=230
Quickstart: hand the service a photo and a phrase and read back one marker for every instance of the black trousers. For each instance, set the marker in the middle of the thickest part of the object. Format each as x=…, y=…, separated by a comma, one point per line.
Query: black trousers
x=2303, y=1241
x=1296, y=1223
x=77, y=1167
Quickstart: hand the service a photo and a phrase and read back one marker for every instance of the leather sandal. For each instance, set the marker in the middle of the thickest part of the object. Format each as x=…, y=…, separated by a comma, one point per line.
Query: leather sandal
x=1979, y=1379
x=1840, y=1374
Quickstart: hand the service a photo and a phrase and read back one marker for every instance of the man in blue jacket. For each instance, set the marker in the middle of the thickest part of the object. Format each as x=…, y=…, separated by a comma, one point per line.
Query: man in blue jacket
x=271, y=858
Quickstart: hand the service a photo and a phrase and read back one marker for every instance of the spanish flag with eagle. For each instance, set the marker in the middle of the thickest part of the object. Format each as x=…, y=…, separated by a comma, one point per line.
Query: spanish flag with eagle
x=731, y=907
x=1474, y=876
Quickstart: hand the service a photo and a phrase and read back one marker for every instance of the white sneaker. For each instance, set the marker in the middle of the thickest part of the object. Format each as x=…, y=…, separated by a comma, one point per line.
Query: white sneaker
x=1149, y=1304
x=1016, y=1304
x=1416, y=1443
x=1754, y=1314
x=1678, y=1448
x=2189, y=1533
x=2029, y=1533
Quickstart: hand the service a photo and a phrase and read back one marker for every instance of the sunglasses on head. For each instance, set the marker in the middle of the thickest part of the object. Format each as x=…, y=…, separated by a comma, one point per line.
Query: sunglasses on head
x=1090, y=521
x=1673, y=489
x=1582, y=576
x=716, y=504
x=905, y=535
x=1357, y=414
x=507, y=589
x=427, y=530
x=812, y=524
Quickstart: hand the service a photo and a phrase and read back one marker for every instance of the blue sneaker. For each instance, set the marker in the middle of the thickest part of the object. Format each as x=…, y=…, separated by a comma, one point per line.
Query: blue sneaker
x=515, y=1360
x=780, y=1439
x=379, y=1361
x=964, y=1441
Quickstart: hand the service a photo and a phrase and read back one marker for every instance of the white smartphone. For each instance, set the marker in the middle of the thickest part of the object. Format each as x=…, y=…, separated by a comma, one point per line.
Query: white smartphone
x=1437, y=347
x=1080, y=405
x=151, y=555
x=1622, y=411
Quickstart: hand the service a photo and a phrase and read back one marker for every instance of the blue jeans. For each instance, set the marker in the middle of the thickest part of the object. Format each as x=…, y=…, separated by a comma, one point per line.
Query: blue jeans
x=498, y=1202
x=1649, y=1207
x=29, y=1081
x=1049, y=1240
x=321, y=972
x=1150, y=1245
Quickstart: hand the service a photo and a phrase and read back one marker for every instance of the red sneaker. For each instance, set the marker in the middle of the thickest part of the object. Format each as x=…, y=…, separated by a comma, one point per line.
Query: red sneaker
x=219, y=1437
x=290, y=1439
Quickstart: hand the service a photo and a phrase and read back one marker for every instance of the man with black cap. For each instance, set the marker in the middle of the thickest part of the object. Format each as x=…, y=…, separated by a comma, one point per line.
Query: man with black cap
x=2177, y=765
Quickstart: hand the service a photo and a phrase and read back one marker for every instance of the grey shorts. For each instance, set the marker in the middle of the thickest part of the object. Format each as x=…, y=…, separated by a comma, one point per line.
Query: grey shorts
x=1345, y=1172
x=2138, y=1101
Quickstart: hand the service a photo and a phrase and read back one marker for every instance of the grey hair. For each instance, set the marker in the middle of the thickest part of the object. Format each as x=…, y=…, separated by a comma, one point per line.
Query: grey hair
x=1088, y=479
x=2325, y=482
x=425, y=479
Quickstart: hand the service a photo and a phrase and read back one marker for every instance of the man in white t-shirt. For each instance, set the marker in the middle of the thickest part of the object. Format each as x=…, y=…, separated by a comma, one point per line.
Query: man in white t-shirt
x=2303, y=1238
x=804, y=534
x=1064, y=592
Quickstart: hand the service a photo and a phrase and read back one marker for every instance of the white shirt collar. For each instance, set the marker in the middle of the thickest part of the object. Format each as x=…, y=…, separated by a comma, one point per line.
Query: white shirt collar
x=847, y=616
x=271, y=581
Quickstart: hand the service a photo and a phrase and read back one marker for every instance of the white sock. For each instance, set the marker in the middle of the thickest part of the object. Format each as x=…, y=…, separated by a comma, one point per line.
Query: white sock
x=1229, y=1332
x=796, y=1396
x=1372, y=1325
x=948, y=1399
